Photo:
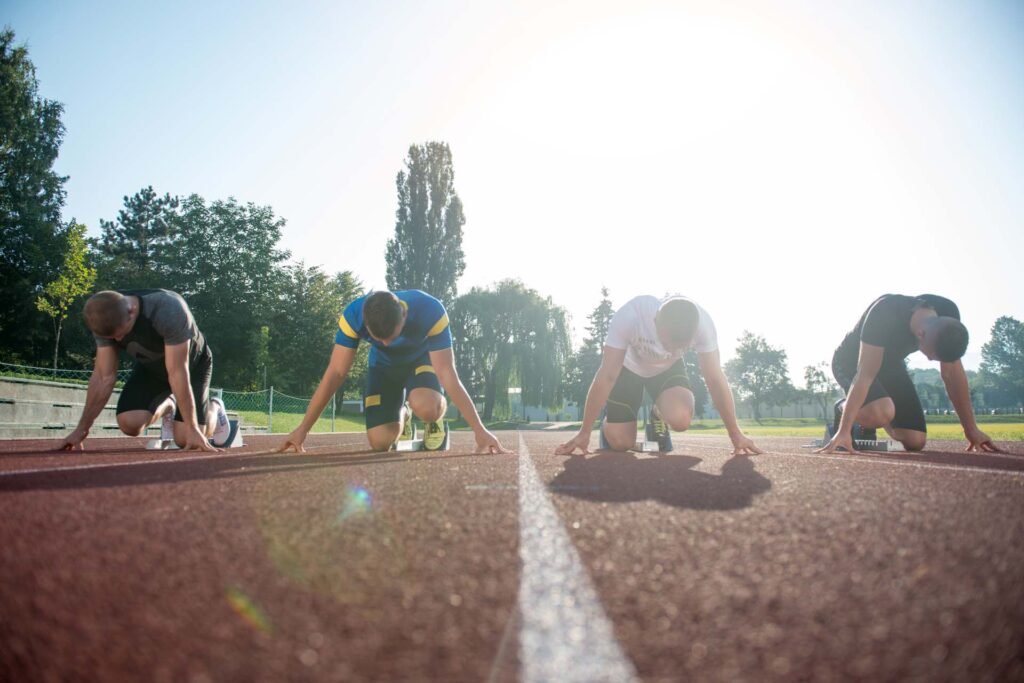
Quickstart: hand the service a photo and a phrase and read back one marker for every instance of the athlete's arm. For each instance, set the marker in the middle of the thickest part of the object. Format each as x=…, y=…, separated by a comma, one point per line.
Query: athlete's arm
x=721, y=396
x=597, y=396
x=443, y=361
x=176, y=362
x=101, y=385
x=337, y=370
x=959, y=392
x=869, y=362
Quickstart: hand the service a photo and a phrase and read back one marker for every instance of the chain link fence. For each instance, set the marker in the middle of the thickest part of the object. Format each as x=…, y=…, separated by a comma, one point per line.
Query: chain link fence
x=268, y=411
x=279, y=413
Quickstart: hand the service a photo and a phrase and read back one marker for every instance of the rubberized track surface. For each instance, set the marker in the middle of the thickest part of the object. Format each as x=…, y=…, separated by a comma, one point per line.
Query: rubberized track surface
x=342, y=564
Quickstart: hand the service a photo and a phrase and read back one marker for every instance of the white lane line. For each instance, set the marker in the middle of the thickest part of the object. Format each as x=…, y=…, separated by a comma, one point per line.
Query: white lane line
x=565, y=634
x=875, y=460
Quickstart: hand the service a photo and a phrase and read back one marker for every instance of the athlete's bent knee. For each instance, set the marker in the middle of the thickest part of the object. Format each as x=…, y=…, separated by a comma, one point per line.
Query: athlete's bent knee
x=914, y=442
x=130, y=427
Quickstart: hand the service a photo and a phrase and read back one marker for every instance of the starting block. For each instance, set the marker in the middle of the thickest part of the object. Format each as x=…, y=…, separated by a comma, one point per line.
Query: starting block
x=641, y=446
x=870, y=445
x=417, y=444
x=166, y=441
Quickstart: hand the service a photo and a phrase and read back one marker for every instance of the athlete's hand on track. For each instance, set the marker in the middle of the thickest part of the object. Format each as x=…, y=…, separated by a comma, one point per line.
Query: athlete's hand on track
x=292, y=442
x=195, y=440
x=488, y=443
x=580, y=441
x=745, y=446
x=839, y=441
x=73, y=441
x=979, y=442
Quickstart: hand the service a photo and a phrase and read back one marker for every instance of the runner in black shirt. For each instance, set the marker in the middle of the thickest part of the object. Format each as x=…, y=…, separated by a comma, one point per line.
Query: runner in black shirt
x=870, y=367
x=156, y=328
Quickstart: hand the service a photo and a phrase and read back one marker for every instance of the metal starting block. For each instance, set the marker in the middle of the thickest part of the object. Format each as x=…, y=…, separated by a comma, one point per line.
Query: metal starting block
x=872, y=445
x=644, y=446
x=233, y=440
x=877, y=446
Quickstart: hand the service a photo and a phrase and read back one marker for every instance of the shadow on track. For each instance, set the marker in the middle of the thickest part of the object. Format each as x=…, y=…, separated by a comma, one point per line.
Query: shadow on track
x=214, y=467
x=623, y=477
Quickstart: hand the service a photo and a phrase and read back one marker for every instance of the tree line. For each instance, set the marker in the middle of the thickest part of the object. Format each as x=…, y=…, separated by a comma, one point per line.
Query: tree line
x=271, y=320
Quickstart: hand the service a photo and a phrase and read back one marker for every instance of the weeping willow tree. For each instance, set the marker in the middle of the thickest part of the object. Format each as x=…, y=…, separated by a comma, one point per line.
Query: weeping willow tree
x=507, y=334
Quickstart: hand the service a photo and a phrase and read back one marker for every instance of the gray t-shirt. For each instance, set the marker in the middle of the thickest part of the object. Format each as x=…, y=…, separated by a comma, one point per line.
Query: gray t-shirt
x=164, y=319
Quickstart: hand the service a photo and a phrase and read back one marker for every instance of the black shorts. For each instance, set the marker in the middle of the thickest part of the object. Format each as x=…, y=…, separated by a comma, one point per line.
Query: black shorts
x=628, y=393
x=893, y=381
x=386, y=387
x=146, y=390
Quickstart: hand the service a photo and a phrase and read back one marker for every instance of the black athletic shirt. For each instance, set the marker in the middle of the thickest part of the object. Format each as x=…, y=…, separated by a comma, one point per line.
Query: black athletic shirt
x=886, y=323
x=164, y=318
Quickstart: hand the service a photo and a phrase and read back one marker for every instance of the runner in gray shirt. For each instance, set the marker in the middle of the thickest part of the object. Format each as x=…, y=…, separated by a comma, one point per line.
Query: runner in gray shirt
x=156, y=328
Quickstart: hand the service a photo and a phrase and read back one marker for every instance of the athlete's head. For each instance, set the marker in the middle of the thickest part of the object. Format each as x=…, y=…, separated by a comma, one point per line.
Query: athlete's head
x=676, y=322
x=108, y=314
x=943, y=338
x=384, y=316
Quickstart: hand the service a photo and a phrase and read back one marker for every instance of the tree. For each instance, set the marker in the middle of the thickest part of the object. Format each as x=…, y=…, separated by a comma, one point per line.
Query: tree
x=820, y=386
x=304, y=325
x=223, y=259
x=134, y=247
x=510, y=333
x=759, y=373
x=585, y=362
x=31, y=199
x=75, y=279
x=426, y=251
x=1002, y=360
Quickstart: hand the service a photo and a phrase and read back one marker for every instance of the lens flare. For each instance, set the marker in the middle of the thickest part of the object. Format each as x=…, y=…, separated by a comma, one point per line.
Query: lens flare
x=247, y=609
x=357, y=502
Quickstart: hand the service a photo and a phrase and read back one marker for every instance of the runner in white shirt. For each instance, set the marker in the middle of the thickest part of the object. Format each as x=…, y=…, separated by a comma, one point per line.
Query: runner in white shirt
x=644, y=349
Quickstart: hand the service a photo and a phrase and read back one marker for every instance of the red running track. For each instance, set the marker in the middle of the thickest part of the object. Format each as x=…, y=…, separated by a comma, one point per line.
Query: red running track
x=342, y=564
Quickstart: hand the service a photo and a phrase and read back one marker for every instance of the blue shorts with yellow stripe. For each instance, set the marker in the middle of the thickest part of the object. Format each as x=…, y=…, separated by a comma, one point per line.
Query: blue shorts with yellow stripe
x=387, y=385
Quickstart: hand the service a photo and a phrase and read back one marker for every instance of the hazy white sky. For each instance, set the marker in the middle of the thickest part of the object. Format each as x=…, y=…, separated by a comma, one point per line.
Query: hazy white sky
x=781, y=163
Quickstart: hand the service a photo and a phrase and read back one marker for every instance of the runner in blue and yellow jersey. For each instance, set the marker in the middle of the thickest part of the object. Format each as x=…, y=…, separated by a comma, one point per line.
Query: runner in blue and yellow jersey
x=410, y=360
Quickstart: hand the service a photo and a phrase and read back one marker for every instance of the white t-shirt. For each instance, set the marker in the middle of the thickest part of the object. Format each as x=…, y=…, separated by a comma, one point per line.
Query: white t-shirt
x=632, y=328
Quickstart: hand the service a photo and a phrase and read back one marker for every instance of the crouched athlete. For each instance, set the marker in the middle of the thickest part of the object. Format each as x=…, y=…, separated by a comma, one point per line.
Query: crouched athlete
x=410, y=360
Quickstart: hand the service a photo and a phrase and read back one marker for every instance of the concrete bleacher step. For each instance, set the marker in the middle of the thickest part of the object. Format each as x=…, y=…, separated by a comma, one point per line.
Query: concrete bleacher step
x=34, y=409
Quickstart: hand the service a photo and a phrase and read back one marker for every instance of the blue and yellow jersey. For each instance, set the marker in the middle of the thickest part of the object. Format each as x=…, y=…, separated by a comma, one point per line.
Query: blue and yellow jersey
x=426, y=329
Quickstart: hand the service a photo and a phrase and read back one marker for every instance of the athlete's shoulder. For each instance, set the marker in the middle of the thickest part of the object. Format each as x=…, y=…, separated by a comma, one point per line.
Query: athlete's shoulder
x=351, y=319
x=419, y=299
x=940, y=304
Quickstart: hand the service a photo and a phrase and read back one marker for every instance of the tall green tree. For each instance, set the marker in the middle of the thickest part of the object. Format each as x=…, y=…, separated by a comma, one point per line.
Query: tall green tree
x=426, y=251
x=585, y=362
x=135, y=247
x=225, y=261
x=31, y=199
x=820, y=386
x=74, y=280
x=305, y=323
x=1002, y=361
x=510, y=334
x=759, y=373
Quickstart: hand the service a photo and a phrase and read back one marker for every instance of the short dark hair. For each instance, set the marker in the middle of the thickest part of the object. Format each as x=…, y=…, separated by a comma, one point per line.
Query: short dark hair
x=105, y=312
x=382, y=311
x=678, y=319
x=951, y=340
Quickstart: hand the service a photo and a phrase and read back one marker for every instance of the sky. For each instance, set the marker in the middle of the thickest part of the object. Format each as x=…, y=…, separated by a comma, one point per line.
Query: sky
x=782, y=164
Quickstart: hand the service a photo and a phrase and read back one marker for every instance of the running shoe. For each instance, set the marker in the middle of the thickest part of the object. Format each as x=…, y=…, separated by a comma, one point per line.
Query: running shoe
x=223, y=427
x=436, y=436
x=657, y=430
